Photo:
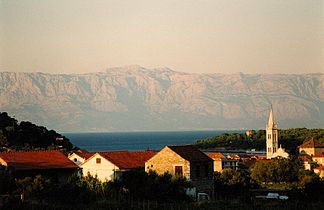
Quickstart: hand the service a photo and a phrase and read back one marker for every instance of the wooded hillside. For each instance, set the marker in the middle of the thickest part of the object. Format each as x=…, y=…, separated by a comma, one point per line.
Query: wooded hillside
x=28, y=136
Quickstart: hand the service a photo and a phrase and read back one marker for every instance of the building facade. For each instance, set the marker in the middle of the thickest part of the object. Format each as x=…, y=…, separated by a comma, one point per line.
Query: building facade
x=107, y=166
x=312, y=147
x=186, y=161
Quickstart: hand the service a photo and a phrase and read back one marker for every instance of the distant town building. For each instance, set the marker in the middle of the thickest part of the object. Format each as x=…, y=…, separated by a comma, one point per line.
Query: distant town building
x=320, y=171
x=50, y=164
x=312, y=147
x=312, y=154
x=307, y=161
x=222, y=162
x=110, y=165
x=319, y=159
x=249, y=133
x=273, y=151
x=186, y=161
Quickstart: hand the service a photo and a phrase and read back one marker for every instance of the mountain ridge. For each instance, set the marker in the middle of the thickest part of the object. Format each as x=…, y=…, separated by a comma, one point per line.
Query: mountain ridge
x=135, y=98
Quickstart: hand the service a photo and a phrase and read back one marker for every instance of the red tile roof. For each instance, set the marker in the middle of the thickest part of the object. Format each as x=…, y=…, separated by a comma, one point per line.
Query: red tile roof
x=320, y=168
x=84, y=154
x=190, y=153
x=312, y=143
x=305, y=157
x=216, y=155
x=50, y=159
x=128, y=160
x=319, y=156
x=233, y=157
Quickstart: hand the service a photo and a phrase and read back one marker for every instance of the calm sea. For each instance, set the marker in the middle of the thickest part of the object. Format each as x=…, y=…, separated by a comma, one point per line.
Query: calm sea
x=136, y=141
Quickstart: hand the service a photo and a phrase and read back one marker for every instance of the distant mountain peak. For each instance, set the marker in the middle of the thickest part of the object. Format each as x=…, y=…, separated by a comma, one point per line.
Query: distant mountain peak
x=137, y=98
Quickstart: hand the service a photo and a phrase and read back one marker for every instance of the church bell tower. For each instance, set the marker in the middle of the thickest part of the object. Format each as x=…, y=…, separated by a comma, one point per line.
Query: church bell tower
x=271, y=135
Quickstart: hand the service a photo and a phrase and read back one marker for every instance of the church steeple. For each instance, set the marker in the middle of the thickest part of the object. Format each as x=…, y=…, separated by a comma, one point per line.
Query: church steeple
x=271, y=135
x=271, y=121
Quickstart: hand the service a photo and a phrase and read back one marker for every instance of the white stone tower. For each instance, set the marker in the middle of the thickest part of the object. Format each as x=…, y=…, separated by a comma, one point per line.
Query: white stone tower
x=271, y=135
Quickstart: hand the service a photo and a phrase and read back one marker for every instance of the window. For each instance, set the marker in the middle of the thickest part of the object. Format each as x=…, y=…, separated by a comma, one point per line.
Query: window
x=75, y=159
x=198, y=171
x=178, y=170
x=98, y=160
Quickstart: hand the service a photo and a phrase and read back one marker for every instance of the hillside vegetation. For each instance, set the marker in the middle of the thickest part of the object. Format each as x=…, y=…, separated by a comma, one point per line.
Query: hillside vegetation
x=289, y=139
x=28, y=136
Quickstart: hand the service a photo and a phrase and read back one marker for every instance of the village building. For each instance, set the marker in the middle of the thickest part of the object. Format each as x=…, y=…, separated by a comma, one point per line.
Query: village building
x=222, y=162
x=312, y=147
x=273, y=151
x=80, y=156
x=319, y=159
x=307, y=161
x=249, y=133
x=110, y=165
x=50, y=164
x=320, y=171
x=186, y=161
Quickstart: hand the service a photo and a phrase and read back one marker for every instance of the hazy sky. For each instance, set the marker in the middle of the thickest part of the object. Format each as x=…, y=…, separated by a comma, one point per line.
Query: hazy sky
x=226, y=36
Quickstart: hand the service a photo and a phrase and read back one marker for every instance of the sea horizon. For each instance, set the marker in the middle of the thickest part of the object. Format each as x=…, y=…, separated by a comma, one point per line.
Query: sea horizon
x=138, y=140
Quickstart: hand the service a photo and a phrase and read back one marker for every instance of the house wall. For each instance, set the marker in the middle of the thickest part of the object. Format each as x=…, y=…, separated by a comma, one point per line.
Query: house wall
x=76, y=159
x=308, y=151
x=2, y=162
x=319, y=160
x=218, y=165
x=202, y=178
x=104, y=170
x=165, y=161
x=311, y=151
x=319, y=172
x=319, y=151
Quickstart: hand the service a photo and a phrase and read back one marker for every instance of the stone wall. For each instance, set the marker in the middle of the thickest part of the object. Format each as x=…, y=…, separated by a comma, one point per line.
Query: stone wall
x=165, y=161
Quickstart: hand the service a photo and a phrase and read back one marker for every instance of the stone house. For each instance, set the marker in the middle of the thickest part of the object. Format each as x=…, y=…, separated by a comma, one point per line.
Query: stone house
x=50, y=164
x=110, y=165
x=186, y=161
x=312, y=147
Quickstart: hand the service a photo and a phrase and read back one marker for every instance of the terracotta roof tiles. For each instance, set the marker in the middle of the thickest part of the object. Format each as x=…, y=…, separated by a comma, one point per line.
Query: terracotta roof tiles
x=33, y=160
x=190, y=153
x=128, y=160
x=312, y=143
x=84, y=154
x=216, y=155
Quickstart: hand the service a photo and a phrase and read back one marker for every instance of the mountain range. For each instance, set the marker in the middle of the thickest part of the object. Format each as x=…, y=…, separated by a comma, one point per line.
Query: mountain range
x=134, y=98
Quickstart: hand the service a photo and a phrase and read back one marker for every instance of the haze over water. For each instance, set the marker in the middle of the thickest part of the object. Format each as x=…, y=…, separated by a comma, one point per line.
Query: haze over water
x=136, y=141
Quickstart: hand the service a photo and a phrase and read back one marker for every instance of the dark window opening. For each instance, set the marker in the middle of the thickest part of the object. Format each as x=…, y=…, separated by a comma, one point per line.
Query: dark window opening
x=178, y=170
x=98, y=160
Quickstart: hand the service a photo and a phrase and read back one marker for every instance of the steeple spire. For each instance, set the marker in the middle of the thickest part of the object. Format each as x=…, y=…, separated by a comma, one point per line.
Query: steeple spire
x=271, y=121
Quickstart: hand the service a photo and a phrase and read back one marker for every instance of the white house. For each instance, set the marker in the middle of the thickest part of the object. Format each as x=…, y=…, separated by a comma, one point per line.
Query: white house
x=80, y=156
x=109, y=165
